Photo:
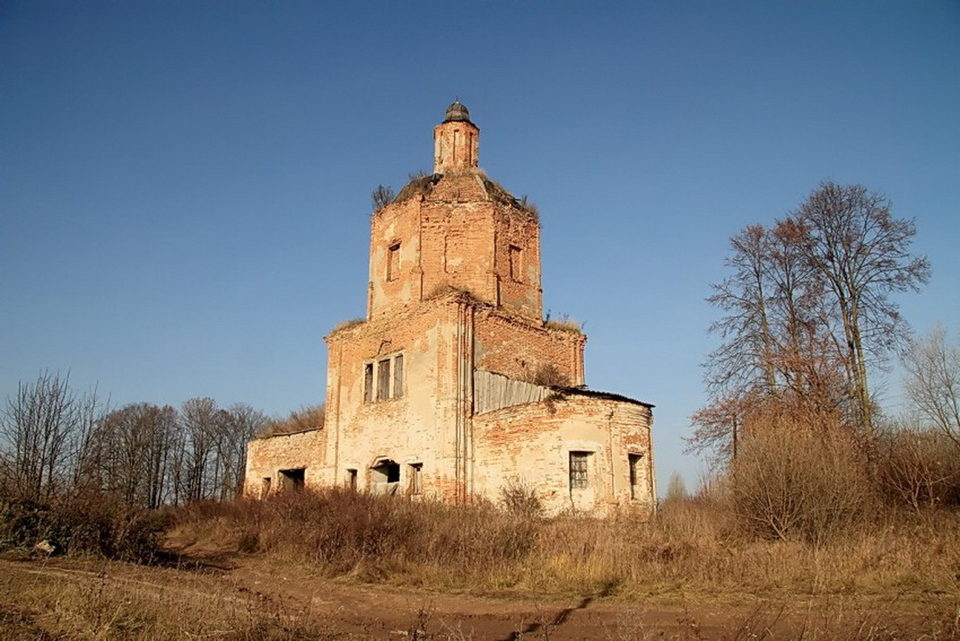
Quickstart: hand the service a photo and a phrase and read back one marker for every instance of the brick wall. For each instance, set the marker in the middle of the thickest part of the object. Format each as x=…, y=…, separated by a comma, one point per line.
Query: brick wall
x=531, y=444
x=267, y=456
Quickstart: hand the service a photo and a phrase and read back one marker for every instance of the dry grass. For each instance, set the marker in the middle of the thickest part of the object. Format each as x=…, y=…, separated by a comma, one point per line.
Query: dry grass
x=695, y=546
x=104, y=607
x=347, y=324
x=564, y=324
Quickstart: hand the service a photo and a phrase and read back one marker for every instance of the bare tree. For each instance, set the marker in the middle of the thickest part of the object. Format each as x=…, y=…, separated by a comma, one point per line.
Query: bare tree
x=381, y=197
x=775, y=345
x=743, y=361
x=861, y=253
x=933, y=381
x=134, y=454
x=240, y=424
x=43, y=428
x=676, y=488
x=201, y=421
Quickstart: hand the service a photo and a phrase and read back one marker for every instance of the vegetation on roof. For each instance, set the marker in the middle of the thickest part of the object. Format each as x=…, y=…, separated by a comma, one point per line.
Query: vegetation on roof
x=381, y=197
x=498, y=193
x=563, y=323
x=421, y=183
x=347, y=324
x=304, y=419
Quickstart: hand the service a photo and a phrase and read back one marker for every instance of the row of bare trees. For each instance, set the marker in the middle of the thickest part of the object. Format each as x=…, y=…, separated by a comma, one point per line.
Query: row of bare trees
x=807, y=313
x=54, y=440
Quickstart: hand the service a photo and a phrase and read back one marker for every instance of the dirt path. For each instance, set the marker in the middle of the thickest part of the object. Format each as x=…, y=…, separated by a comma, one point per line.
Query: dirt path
x=382, y=611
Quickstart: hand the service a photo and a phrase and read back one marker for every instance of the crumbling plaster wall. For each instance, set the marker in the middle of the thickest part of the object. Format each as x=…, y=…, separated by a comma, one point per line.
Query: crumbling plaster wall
x=418, y=427
x=530, y=444
x=266, y=456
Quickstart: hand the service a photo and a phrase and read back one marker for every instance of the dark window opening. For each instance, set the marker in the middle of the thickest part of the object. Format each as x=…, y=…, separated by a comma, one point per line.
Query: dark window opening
x=385, y=477
x=352, y=480
x=368, y=382
x=579, y=470
x=383, y=380
x=293, y=479
x=398, y=376
x=393, y=262
x=416, y=478
x=635, y=473
x=265, y=487
x=516, y=263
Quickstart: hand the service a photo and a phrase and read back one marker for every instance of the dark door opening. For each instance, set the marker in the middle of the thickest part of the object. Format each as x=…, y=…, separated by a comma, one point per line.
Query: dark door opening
x=385, y=477
x=293, y=479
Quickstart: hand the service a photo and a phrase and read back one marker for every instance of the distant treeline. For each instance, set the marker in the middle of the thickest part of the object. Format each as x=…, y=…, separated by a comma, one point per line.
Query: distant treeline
x=56, y=441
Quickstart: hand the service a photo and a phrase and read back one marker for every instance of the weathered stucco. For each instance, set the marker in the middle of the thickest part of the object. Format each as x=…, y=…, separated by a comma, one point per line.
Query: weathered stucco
x=454, y=299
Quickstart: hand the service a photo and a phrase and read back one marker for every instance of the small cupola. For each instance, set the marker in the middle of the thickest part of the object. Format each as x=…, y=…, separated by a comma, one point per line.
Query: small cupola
x=457, y=112
x=455, y=141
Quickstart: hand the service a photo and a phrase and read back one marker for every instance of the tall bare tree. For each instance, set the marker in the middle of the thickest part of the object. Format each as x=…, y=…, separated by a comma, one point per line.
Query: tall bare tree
x=806, y=308
x=240, y=424
x=862, y=254
x=933, y=381
x=201, y=421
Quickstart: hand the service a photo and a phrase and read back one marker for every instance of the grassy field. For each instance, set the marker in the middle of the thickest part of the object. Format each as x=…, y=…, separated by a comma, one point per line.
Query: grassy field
x=342, y=565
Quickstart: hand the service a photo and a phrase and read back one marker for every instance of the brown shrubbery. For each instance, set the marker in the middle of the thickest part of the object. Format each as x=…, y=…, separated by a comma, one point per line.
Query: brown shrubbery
x=86, y=523
x=695, y=544
x=790, y=483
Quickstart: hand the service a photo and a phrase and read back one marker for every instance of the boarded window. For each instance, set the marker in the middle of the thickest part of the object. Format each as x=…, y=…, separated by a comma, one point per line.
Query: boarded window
x=636, y=472
x=352, y=480
x=579, y=470
x=416, y=478
x=516, y=263
x=393, y=261
x=368, y=382
x=383, y=380
x=398, y=376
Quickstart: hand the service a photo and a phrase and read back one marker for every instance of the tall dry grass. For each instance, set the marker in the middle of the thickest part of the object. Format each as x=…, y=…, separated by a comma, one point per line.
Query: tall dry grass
x=695, y=545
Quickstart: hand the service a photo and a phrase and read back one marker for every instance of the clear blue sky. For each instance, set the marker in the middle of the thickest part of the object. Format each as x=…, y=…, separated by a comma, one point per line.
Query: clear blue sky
x=185, y=186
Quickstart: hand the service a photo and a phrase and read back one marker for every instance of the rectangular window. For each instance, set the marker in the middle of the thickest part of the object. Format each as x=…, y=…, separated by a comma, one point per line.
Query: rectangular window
x=398, y=376
x=352, y=480
x=516, y=263
x=635, y=473
x=579, y=466
x=383, y=380
x=265, y=487
x=416, y=478
x=393, y=261
x=368, y=382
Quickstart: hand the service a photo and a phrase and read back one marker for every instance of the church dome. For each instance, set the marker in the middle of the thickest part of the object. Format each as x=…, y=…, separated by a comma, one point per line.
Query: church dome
x=457, y=112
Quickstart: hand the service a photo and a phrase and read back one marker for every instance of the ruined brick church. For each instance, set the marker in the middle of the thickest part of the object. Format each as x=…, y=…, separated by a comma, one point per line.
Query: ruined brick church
x=454, y=386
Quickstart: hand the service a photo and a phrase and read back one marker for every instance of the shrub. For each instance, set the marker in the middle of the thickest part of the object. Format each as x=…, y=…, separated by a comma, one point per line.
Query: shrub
x=790, y=482
x=520, y=498
x=919, y=468
x=83, y=523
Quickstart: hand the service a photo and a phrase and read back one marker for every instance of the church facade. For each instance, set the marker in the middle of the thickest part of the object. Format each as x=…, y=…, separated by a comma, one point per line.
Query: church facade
x=454, y=386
